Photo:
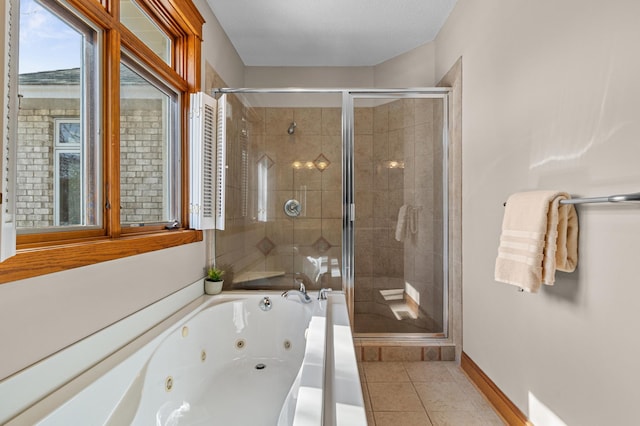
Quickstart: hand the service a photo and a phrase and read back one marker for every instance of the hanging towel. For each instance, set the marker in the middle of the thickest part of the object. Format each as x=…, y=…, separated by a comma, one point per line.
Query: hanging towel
x=539, y=235
x=401, y=226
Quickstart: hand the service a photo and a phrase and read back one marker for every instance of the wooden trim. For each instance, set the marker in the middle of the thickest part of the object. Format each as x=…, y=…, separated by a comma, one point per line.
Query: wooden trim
x=142, y=53
x=46, y=253
x=502, y=404
x=111, y=136
x=46, y=260
x=95, y=11
x=27, y=241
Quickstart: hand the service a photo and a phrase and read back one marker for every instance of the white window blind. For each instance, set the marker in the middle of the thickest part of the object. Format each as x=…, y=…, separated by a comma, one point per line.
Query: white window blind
x=221, y=161
x=207, y=159
x=9, y=81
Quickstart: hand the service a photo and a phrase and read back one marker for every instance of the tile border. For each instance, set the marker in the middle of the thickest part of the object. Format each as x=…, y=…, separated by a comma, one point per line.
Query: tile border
x=506, y=409
x=386, y=353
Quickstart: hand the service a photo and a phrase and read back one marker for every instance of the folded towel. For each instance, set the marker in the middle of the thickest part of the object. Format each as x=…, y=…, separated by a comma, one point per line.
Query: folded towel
x=539, y=235
x=401, y=226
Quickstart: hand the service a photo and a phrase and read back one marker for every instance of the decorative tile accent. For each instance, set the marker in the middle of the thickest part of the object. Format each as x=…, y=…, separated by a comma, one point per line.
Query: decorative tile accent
x=265, y=245
x=432, y=353
x=321, y=163
x=266, y=161
x=321, y=245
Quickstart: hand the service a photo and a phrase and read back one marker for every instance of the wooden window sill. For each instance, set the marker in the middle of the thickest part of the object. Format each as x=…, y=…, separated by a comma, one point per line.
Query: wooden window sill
x=32, y=262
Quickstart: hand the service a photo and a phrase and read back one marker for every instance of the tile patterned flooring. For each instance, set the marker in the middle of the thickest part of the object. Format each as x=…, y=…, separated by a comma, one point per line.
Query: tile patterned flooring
x=425, y=393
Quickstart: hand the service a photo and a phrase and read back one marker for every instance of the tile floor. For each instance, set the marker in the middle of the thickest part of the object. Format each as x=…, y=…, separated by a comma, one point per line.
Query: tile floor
x=427, y=393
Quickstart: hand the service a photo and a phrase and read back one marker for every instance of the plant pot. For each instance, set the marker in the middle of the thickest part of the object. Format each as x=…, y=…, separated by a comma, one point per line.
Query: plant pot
x=213, y=287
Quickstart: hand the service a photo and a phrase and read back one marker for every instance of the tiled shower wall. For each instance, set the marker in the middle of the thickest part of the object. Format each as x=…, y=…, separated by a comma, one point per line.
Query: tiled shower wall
x=267, y=167
x=398, y=161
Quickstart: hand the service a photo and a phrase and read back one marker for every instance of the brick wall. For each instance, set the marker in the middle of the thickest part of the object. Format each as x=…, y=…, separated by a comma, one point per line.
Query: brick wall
x=35, y=162
x=142, y=162
x=142, y=159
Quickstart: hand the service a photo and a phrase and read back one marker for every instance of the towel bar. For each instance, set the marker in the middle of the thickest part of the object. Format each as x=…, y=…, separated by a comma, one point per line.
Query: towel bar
x=610, y=199
x=621, y=198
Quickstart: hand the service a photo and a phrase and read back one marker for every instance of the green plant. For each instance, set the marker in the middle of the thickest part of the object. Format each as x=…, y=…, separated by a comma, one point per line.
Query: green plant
x=215, y=274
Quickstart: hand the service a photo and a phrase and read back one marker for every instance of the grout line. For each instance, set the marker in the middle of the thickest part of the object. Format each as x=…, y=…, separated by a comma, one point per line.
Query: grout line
x=424, y=408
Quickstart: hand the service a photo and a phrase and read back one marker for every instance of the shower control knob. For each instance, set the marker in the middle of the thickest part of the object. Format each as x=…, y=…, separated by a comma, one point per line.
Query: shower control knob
x=292, y=208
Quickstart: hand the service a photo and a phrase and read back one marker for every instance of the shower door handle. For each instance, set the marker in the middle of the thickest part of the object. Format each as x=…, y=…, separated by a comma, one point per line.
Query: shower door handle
x=292, y=208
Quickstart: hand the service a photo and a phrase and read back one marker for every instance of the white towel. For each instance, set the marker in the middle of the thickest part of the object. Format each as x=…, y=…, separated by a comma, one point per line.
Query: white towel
x=401, y=226
x=539, y=235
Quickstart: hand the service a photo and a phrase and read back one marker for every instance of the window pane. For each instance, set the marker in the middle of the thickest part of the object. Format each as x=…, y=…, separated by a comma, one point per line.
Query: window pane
x=145, y=29
x=57, y=173
x=148, y=150
x=69, y=133
x=69, y=189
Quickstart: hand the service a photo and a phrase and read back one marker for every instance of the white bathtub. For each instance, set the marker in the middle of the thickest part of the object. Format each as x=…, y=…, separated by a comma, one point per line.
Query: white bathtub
x=229, y=362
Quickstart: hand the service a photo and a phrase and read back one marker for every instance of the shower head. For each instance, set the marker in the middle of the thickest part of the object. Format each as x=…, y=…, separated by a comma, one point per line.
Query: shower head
x=292, y=128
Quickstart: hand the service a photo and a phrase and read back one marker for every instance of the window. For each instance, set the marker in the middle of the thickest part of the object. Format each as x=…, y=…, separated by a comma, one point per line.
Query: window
x=148, y=159
x=57, y=126
x=134, y=17
x=68, y=187
x=101, y=155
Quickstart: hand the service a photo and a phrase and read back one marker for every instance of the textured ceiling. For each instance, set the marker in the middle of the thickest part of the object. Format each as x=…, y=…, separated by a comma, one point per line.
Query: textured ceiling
x=328, y=32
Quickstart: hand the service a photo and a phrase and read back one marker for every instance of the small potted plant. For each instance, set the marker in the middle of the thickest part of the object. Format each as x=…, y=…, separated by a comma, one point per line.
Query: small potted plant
x=214, y=281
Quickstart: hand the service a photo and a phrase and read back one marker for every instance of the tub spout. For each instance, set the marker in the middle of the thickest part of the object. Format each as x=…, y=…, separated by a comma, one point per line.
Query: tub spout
x=302, y=295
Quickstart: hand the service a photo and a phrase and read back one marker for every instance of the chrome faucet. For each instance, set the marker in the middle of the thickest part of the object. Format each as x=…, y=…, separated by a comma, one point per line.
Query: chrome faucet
x=302, y=293
x=322, y=293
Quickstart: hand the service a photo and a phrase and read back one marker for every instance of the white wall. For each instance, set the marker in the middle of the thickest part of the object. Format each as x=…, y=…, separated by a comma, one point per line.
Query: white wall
x=551, y=99
x=42, y=315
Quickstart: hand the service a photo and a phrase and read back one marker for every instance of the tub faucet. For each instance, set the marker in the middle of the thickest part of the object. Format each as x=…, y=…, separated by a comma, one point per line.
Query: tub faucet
x=322, y=293
x=302, y=294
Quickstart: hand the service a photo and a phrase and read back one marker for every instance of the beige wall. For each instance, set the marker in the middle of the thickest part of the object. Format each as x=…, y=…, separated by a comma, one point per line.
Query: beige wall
x=309, y=76
x=415, y=68
x=217, y=50
x=551, y=100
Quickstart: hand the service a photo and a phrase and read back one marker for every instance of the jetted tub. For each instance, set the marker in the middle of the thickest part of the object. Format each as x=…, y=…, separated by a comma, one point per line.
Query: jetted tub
x=239, y=358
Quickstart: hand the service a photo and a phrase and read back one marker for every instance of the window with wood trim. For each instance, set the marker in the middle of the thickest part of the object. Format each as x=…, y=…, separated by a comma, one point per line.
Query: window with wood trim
x=102, y=130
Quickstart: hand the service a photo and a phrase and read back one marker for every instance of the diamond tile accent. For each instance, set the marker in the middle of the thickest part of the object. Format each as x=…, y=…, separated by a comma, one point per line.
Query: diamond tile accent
x=321, y=162
x=321, y=245
x=265, y=245
x=266, y=161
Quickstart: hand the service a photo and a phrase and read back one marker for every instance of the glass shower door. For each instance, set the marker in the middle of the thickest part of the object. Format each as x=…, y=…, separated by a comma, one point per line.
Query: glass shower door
x=283, y=192
x=399, y=189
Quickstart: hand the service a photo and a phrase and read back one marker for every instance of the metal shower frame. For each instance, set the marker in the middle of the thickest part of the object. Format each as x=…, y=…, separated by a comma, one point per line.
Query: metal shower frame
x=349, y=206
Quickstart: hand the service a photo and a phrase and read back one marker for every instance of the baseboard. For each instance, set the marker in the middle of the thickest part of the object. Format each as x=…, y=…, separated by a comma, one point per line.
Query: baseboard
x=502, y=404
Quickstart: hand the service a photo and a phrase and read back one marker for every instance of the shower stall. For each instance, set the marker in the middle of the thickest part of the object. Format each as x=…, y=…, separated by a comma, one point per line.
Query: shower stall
x=343, y=189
